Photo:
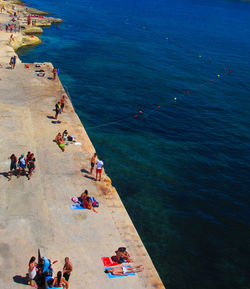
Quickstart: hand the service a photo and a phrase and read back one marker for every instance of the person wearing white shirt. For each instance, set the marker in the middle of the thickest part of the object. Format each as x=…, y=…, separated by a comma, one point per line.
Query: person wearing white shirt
x=99, y=166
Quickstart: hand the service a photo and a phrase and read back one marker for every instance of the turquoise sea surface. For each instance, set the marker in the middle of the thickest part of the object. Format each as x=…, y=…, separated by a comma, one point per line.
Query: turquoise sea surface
x=162, y=88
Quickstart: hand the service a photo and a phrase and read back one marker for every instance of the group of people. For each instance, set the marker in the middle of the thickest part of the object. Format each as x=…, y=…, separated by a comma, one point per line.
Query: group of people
x=86, y=201
x=99, y=166
x=19, y=166
x=122, y=256
x=60, y=139
x=41, y=273
x=59, y=106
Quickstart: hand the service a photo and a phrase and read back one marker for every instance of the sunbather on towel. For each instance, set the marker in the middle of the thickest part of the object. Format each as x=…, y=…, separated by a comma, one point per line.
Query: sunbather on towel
x=83, y=196
x=122, y=255
x=122, y=270
x=88, y=205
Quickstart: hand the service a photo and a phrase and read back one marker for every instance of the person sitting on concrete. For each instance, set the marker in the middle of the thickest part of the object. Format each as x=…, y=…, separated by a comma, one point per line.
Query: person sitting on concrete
x=87, y=204
x=83, y=197
x=122, y=270
x=60, y=282
x=122, y=255
x=65, y=135
x=60, y=142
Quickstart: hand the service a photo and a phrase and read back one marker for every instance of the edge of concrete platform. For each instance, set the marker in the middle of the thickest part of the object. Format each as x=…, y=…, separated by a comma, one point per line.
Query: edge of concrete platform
x=121, y=217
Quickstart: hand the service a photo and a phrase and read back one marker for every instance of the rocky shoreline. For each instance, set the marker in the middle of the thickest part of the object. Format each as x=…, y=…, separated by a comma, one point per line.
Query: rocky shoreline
x=23, y=23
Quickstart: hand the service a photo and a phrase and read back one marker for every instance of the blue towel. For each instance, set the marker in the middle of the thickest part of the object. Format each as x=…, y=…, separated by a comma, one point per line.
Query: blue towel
x=77, y=207
x=110, y=275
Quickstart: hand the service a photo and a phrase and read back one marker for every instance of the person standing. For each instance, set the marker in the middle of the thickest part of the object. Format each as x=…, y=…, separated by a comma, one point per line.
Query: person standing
x=13, y=161
x=62, y=102
x=99, y=166
x=92, y=163
x=58, y=108
x=14, y=61
x=32, y=272
x=31, y=165
x=54, y=73
x=21, y=165
x=11, y=62
x=67, y=269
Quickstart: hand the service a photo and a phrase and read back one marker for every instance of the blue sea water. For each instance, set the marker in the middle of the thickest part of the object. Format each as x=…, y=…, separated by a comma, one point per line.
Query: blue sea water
x=181, y=169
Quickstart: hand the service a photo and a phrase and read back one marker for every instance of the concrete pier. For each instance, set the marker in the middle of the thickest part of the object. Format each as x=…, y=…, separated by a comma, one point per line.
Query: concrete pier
x=36, y=213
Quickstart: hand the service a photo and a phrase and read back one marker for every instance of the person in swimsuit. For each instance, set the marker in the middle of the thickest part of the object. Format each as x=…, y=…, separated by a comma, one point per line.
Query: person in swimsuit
x=13, y=160
x=31, y=165
x=54, y=73
x=22, y=165
x=58, y=108
x=92, y=163
x=67, y=269
x=60, y=282
x=62, y=102
x=88, y=205
x=122, y=255
x=32, y=272
x=122, y=270
x=99, y=166
x=83, y=197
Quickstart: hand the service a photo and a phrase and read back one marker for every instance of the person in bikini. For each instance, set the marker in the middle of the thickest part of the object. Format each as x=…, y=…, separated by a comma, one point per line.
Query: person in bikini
x=123, y=271
x=92, y=163
x=62, y=102
x=60, y=282
x=88, y=205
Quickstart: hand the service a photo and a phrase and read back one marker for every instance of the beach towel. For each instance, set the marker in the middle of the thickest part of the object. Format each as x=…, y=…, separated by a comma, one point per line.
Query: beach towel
x=111, y=276
x=107, y=261
x=77, y=207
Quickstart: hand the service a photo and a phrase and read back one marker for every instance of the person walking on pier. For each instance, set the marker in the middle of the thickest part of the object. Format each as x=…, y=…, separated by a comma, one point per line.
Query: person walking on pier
x=99, y=166
x=31, y=165
x=13, y=161
x=21, y=165
x=92, y=163
x=67, y=269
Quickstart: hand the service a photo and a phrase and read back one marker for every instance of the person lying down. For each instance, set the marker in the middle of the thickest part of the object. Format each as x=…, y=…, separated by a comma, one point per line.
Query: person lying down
x=122, y=270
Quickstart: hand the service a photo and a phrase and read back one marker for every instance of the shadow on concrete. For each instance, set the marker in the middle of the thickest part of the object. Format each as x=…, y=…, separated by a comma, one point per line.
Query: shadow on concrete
x=56, y=121
x=84, y=171
x=50, y=117
x=21, y=279
x=5, y=174
x=89, y=177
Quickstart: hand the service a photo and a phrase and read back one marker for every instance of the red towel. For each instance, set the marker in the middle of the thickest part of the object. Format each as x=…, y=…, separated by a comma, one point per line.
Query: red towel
x=107, y=261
